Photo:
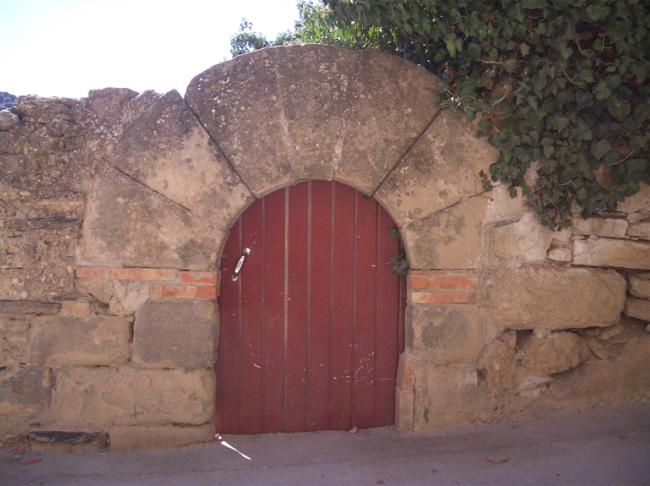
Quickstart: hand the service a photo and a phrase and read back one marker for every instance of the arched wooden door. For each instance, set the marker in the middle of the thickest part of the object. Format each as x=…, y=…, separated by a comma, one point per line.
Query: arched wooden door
x=311, y=330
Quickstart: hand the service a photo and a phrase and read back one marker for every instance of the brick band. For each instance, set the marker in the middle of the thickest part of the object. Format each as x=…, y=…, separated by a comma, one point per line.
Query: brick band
x=164, y=283
x=442, y=287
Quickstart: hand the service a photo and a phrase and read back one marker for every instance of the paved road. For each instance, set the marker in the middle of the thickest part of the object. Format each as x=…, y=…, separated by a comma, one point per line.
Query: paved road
x=601, y=447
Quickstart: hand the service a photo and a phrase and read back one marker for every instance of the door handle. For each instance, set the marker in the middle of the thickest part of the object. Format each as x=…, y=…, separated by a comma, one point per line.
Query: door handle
x=240, y=264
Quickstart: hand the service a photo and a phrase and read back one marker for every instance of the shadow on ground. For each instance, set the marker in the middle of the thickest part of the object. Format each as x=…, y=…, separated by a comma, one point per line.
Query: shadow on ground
x=605, y=446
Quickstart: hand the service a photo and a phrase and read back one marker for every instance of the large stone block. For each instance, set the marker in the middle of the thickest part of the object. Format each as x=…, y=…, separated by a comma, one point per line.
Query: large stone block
x=108, y=104
x=24, y=392
x=555, y=298
x=393, y=102
x=166, y=149
x=448, y=239
x=297, y=112
x=445, y=396
x=69, y=341
x=640, y=230
x=35, y=262
x=557, y=352
x=640, y=285
x=439, y=170
x=523, y=241
x=503, y=207
x=446, y=333
x=101, y=397
x=638, y=308
x=129, y=224
x=612, y=253
x=175, y=334
x=158, y=437
x=609, y=227
x=613, y=381
x=13, y=340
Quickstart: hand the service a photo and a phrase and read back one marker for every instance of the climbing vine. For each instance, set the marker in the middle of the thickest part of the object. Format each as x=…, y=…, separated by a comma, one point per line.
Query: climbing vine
x=562, y=84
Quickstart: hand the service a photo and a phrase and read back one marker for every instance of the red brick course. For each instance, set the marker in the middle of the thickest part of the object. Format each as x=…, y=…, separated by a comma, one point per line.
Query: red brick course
x=165, y=283
x=442, y=287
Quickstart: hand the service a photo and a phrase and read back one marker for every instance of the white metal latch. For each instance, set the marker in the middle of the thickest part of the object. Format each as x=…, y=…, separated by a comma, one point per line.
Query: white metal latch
x=240, y=263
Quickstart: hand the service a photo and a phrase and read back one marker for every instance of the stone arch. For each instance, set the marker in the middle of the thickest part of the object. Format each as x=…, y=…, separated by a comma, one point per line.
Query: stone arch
x=183, y=170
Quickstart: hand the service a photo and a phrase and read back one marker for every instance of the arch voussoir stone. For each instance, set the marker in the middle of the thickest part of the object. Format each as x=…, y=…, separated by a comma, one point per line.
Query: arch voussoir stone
x=314, y=112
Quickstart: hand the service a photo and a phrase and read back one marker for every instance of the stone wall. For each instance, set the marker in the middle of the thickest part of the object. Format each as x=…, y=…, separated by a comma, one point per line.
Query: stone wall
x=530, y=319
x=114, y=209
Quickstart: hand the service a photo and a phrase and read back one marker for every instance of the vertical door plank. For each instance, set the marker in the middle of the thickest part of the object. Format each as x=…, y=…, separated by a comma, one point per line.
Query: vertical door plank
x=387, y=319
x=297, y=308
x=252, y=319
x=273, y=305
x=228, y=367
x=340, y=398
x=318, y=359
x=363, y=367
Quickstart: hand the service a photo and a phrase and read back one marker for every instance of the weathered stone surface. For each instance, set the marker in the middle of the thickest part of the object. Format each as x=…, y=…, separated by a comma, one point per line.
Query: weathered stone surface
x=523, y=241
x=128, y=224
x=609, y=382
x=70, y=341
x=28, y=307
x=108, y=104
x=439, y=170
x=497, y=364
x=100, y=397
x=160, y=437
x=446, y=333
x=560, y=298
x=445, y=395
x=13, y=340
x=123, y=298
x=559, y=254
x=313, y=111
x=24, y=392
x=640, y=285
x=35, y=264
x=380, y=129
x=405, y=393
x=610, y=227
x=612, y=253
x=557, y=352
x=37, y=242
x=166, y=149
x=448, y=239
x=638, y=308
x=502, y=207
x=637, y=206
x=7, y=120
x=175, y=334
x=54, y=151
x=640, y=230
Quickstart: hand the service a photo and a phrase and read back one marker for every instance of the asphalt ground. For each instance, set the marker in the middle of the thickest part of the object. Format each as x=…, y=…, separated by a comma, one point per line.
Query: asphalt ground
x=600, y=447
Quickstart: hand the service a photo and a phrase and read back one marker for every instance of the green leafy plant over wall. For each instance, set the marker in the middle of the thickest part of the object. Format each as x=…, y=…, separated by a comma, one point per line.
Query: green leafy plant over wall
x=560, y=83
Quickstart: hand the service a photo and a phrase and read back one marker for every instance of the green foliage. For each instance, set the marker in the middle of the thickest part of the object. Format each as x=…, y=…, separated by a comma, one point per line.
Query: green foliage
x=563, y=83
x=247, y=40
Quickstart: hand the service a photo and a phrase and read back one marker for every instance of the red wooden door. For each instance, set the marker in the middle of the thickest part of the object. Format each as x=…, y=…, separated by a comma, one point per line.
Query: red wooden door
x=311, y=330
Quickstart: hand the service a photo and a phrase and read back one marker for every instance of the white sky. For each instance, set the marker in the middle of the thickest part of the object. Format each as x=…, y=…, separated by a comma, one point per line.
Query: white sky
x=66, y=47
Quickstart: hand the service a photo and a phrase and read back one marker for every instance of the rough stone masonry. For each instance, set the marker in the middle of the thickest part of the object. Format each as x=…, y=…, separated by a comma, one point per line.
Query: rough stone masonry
x=114, y=209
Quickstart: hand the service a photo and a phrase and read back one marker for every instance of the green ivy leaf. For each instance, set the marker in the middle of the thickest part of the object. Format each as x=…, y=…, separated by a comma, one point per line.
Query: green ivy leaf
x=601, y=91
x=619, y=109
x=597, y=11
x=599, y=149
